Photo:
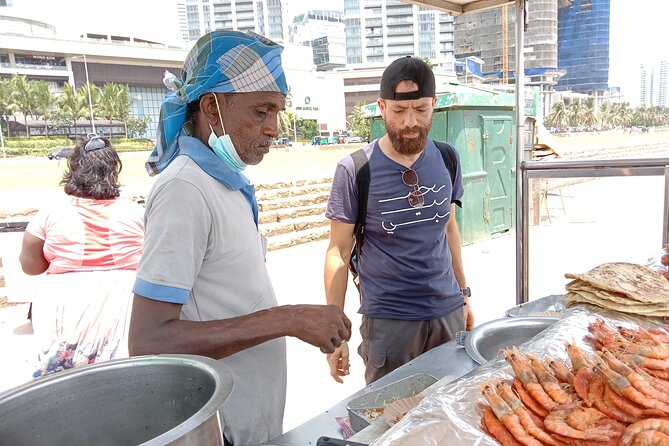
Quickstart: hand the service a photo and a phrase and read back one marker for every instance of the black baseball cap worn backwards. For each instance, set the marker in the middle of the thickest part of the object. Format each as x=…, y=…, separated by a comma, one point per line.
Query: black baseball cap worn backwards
x=407, y=69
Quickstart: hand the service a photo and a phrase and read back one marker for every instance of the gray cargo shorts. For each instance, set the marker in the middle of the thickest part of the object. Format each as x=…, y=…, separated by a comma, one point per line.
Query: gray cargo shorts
x=389, y=343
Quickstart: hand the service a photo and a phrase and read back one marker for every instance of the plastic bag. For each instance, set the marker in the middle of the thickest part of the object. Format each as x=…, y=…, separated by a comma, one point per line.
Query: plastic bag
x=660, y=262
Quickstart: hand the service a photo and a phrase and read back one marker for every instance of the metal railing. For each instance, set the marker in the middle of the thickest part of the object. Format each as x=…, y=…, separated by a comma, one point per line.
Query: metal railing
x=577, y=169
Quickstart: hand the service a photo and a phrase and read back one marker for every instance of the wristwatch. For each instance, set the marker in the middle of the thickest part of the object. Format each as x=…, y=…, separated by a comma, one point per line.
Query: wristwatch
x=466, y=292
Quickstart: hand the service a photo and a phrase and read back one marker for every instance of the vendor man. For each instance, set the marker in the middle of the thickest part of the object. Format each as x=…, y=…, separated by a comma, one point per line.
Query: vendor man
x=202, y=285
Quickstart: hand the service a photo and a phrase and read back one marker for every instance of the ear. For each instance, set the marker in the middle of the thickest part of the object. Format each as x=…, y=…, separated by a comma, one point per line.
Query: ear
x=208, y=109
x=382, y=107
x=434, y=101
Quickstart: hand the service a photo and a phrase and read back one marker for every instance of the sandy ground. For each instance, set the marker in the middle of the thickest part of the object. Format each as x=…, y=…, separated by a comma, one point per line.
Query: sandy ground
x=606, y=220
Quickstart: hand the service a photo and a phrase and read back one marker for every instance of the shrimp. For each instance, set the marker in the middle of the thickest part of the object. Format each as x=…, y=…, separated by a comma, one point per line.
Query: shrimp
x=651, y=438
x=630, y=407
x=654, y=350
x=603, y=333
x=556, y=421
x=645, y=361
x=622, y=386
x=562, y=371
x=583, y=369
x=533, y=426
x=504, y=414
x=526, y=376
x=649, y=424
x=548, y=381
x=608, y=404
x=497, y=429
x=527, y=399
x=638, y=381
x=592, y=420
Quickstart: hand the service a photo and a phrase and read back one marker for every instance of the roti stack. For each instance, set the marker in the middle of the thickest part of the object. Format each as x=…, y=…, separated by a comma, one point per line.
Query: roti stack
x=625, y=287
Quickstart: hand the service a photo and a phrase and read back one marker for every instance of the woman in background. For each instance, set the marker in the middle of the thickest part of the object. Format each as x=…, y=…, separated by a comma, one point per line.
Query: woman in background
x=89, y=243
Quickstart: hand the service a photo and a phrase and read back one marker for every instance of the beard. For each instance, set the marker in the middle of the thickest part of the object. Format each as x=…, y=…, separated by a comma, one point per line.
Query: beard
x=404, y=145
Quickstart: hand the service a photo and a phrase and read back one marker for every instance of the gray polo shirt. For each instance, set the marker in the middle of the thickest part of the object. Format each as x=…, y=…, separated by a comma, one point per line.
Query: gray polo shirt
x=203, y=250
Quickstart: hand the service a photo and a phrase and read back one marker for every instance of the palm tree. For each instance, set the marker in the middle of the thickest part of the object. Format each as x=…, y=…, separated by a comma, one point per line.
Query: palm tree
x=124, y=105
x=23, y=98
x=286, y=119
x=574, y=112
x=71, y=104
x=589, y=115
x=108, y=102
x=7, y=105
x=95, y=99
x=557, y=116
x=45, y=103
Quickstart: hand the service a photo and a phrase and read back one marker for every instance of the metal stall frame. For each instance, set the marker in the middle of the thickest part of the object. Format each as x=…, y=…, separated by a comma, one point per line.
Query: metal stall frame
x=577, y=169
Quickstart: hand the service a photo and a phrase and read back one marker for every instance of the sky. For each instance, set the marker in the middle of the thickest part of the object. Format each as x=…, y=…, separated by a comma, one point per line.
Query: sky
x=638, y=27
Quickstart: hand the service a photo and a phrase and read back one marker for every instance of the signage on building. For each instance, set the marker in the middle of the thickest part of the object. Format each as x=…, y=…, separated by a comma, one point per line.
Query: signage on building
x=307, y=108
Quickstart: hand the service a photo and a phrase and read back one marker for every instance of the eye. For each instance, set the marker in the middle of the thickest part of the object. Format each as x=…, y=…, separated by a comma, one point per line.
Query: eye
x=261, y=113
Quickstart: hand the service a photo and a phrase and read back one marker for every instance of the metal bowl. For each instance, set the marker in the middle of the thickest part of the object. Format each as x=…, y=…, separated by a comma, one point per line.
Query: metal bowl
x=484, y=342
x=147, y=400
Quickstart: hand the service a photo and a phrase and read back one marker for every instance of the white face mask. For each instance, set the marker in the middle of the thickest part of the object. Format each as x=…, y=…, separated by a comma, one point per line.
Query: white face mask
x=223, y=146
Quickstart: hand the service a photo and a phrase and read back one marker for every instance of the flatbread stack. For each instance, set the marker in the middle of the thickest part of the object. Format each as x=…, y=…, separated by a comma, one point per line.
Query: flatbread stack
x=625, y=287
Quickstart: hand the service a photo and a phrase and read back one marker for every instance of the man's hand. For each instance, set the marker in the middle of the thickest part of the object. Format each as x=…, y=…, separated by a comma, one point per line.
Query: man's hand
x=338, y=362
x=325, y=326
x=469, y=315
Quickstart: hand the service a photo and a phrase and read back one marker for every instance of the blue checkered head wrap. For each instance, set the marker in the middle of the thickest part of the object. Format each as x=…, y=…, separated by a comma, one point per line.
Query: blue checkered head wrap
x=220, y=62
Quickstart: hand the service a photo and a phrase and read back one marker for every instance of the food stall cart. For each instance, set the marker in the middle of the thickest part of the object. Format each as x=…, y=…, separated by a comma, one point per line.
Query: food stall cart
x=459, y=376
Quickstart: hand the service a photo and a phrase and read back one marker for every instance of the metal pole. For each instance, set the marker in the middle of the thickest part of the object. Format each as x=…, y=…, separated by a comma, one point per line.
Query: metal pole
x=294, y=127
x=522, y=232
x=90, y=103
x=665, y=225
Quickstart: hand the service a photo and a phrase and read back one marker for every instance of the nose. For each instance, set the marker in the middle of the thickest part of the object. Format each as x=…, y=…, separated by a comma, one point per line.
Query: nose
x=272, y=126
x=410, y=120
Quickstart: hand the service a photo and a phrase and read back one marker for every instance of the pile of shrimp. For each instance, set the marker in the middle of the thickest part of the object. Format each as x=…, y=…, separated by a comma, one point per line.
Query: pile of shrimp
x=617, y=396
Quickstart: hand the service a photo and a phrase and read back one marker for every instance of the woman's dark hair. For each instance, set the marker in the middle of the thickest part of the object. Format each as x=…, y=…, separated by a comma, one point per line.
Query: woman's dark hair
x=94, y=173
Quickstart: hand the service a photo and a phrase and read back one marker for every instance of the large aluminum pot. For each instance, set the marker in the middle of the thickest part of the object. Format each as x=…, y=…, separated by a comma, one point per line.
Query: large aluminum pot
x=147, y=400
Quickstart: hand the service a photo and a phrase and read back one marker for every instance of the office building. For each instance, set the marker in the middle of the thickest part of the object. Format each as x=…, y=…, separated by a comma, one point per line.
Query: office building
x=654, y=83
x=380, y=31
x=323, y=31
x=583, y=46
x=264, y=17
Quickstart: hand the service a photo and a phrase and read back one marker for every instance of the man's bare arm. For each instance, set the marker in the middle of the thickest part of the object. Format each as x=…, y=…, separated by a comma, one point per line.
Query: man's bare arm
x=336, y=262
x=155, y=328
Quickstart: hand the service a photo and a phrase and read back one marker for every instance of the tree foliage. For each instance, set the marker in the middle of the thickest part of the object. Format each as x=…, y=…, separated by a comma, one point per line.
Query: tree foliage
x=360, y=125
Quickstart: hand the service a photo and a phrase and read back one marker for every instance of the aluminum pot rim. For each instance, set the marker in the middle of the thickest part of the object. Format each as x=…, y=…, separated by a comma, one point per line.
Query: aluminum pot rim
x=224, y=383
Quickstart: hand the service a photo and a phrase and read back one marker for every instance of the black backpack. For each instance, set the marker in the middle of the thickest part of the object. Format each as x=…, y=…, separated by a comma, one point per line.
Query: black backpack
x=362, y=178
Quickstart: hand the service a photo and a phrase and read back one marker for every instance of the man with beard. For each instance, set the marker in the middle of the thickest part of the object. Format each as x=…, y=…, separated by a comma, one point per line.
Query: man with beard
x=202, y=286
x=413, y=291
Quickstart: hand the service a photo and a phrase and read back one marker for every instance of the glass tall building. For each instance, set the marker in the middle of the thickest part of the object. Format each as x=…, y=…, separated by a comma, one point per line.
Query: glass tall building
x=583, y=45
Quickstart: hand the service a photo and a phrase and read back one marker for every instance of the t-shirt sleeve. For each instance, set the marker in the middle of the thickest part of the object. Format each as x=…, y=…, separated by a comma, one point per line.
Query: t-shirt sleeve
x=343, y=201
x=458, y=188
x=178, y=222
x=37, y=225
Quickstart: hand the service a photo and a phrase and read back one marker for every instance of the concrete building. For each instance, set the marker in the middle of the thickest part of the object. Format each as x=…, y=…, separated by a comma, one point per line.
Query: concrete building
x=323, y=31
x=490, y=36
x=264, y=17
x=654, y=84
x=380, y=31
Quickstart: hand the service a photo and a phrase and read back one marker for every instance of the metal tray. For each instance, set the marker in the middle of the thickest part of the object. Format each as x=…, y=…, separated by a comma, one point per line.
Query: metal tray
x=484, y=342
x=548, y=306
x=365, y=408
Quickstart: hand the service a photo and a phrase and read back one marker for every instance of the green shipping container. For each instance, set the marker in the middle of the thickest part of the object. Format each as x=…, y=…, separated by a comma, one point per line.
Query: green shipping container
x=481, y=125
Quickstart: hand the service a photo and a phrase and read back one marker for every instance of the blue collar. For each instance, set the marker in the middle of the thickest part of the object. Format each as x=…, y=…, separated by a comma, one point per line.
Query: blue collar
x=207, y=160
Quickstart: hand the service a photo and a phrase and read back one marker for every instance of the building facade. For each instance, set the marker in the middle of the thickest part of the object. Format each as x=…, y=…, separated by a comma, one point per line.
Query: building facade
x=583, y=46
x=380, y=31
x=654, y=84
x=323, y=31
x=264, y=17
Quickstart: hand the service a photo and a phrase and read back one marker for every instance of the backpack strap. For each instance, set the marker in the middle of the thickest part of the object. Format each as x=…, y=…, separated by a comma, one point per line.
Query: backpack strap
x=447, y=151
x=362, y=178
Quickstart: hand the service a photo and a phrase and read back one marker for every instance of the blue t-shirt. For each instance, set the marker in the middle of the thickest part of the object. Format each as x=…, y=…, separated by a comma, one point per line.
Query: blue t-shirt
x=405, y=266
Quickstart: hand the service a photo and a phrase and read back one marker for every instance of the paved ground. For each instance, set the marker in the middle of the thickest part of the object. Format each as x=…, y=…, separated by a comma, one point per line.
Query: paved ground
x=611, y=219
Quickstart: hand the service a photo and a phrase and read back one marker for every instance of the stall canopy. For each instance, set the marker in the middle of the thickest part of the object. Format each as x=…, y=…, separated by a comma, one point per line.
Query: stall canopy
x=457, y=7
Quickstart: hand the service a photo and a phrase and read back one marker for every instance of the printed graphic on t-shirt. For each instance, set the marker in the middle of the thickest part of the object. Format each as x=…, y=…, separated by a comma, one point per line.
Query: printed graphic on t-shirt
x=399, y=213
